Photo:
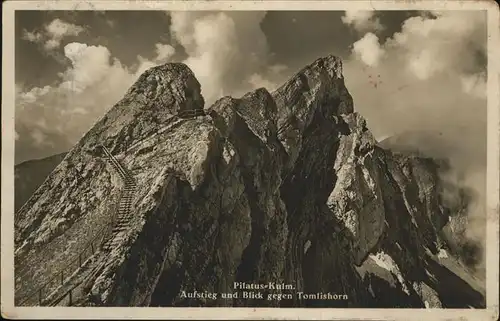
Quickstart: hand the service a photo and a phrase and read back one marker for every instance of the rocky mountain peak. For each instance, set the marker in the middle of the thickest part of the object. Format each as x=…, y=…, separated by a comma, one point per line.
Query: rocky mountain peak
x=315, y=95
x=158, y=94
x=172, y=86
x=284, y=187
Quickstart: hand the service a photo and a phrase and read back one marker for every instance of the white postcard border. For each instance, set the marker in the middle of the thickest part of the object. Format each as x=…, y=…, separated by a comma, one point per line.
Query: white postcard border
x=7, y=178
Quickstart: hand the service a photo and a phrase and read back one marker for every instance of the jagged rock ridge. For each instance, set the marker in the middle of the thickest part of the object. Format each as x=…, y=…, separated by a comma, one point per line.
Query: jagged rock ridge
x=287, y=186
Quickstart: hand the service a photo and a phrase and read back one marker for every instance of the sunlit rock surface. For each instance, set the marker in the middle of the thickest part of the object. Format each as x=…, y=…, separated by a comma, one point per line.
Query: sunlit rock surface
x=286, y=187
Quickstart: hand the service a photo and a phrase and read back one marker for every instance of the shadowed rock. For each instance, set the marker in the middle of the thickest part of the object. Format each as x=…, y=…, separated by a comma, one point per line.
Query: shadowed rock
x=284, y=187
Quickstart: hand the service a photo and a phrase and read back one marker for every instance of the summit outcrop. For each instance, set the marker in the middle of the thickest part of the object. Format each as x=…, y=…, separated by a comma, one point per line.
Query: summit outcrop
x=286, y=186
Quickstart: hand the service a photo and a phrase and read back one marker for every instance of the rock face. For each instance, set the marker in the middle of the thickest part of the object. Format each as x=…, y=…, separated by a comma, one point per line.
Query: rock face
x=287, y=187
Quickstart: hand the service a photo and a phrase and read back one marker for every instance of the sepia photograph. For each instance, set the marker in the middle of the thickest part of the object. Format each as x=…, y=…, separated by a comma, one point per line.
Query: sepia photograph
x=277, y=159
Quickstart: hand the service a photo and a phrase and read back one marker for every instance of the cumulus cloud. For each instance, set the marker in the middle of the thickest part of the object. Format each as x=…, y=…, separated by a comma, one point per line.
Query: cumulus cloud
x=32, y=36
x=53, y=33
x=362, y=20
x=433, y=45
x=89, y=64
x=436, y=55
x=164, y=52
x=258, y=81
x=227, y=51
x=432, y=80
x=270, y=78
x=58, y=29
x=51, y=119
x=368, y=49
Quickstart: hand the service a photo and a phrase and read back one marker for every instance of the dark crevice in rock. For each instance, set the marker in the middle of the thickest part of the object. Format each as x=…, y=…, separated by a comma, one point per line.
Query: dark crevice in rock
x=288, y=187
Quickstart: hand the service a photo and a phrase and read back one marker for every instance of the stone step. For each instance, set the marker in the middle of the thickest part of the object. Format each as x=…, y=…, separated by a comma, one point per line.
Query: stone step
x=123, y=215
x=124, y=224
x=116, y=241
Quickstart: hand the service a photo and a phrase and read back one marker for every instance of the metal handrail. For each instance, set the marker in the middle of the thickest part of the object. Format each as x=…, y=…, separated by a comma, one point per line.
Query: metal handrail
x=161, y=130
x=65, y=294
x=182, y=115
x=105, y=232
x=77, y=258
x=191, y=113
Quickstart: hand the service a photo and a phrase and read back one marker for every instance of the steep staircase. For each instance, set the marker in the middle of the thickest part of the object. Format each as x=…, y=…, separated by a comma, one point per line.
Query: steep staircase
x=123, y=217
x=64, y=286
x=109, y=237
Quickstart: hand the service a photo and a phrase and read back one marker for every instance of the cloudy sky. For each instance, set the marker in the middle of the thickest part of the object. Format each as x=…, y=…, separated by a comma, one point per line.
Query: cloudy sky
x=406, y=70
x=424, y=69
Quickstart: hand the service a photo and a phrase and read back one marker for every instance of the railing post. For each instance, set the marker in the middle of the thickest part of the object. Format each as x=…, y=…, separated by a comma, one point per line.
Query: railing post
x=106, y=235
